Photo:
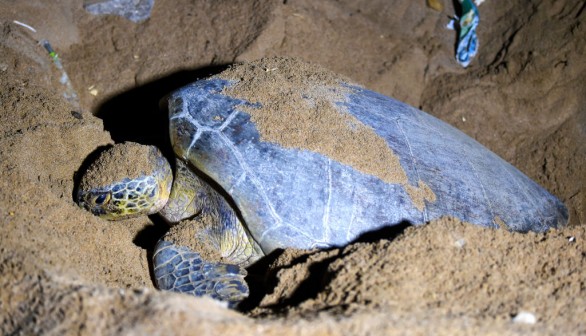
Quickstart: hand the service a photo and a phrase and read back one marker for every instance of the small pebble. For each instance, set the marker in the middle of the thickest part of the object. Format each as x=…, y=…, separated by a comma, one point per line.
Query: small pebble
x=525, y=318
x=435, y=4
x=460, y=243
x=76, y=115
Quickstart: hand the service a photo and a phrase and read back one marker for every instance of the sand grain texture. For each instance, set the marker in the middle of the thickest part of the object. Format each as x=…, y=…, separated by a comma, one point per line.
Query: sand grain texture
x=63, y=271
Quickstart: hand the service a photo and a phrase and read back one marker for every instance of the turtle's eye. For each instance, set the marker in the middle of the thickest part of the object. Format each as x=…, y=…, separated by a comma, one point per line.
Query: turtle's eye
x=102, y=199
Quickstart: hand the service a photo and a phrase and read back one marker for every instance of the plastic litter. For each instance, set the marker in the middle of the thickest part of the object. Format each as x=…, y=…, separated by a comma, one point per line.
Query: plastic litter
x=467, y=45
x=69, y=93
x=134, y=10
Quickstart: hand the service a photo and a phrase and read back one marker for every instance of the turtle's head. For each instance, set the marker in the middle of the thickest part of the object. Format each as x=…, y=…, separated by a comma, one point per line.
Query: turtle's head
x=127, y=180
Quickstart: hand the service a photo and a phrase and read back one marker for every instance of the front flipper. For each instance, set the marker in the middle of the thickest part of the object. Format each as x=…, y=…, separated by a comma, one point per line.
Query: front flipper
x=178, y=269
x=204, y=255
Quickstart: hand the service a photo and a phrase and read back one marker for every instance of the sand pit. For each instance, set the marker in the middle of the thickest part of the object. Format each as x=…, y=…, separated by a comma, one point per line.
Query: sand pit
x=63, y=271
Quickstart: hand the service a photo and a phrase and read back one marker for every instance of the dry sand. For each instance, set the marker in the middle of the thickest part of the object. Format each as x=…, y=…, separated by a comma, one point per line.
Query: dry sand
x=63, y=271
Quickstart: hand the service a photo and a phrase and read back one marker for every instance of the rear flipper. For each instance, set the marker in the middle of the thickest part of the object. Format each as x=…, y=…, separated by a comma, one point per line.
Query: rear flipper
x=178, y=269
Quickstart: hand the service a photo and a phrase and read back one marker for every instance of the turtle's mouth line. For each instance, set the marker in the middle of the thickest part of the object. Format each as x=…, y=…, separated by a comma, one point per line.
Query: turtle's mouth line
x=97, y=211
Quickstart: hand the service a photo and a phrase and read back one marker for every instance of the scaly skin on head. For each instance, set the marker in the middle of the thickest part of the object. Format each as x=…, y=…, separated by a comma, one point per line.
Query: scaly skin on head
x=126, y=198
x=130, y=198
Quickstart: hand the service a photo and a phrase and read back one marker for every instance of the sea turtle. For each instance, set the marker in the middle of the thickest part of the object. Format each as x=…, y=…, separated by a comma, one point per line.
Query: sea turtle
x=279, y=153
